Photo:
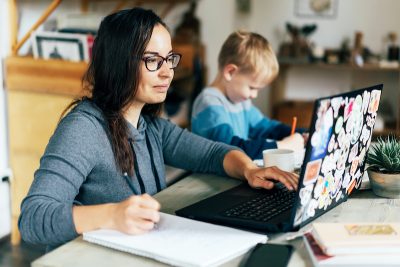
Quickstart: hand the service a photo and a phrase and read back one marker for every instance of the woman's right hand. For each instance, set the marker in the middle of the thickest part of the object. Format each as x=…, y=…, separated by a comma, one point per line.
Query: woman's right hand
x=136, y=214
x=293, y=142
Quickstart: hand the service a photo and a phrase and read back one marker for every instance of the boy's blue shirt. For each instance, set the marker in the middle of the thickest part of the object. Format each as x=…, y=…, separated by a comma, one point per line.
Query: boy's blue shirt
x=239, y=124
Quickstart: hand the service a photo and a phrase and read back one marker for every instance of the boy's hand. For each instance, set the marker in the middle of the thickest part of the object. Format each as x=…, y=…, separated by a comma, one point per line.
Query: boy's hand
x=293, y=142
x=305, y=137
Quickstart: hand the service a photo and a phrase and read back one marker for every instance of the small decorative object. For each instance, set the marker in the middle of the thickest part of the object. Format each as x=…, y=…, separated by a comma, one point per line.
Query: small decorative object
x=316, y=8
x=64, y=46
x=345, y=53
x=298, y=47
x=393, y=48
x=356, y=57
x=360, y=54
x=243, y=6
x=318, y=53
x=384, y=167
x=332, y=56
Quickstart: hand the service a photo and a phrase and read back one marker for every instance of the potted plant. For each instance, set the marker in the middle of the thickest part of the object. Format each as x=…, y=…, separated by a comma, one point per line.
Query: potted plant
x=384, y=167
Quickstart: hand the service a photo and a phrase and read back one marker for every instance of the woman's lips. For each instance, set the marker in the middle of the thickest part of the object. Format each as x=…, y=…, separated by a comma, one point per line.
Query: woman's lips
x=162, y=88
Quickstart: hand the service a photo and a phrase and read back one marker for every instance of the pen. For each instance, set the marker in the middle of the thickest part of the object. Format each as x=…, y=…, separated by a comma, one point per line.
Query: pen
x=132, y=187
x=130, y=184
x=294, y=122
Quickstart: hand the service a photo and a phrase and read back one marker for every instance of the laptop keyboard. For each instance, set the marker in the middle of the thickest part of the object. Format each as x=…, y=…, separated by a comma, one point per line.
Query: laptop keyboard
x=263, y=207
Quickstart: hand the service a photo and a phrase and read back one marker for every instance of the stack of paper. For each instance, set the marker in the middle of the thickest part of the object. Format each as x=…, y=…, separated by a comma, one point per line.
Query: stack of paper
x=356, y=244
x=181, y=242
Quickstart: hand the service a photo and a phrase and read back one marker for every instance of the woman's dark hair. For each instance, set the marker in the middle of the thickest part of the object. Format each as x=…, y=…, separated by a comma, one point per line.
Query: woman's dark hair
x=114, y=72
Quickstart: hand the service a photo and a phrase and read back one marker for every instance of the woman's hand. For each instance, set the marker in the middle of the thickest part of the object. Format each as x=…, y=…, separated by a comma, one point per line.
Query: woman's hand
x=265, y=177
x=136, y=214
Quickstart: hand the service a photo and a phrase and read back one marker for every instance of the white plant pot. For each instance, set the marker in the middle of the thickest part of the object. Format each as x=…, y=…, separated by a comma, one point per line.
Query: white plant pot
x=385, y=185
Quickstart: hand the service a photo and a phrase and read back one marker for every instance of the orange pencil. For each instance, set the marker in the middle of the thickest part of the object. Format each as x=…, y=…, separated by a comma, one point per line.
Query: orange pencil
x=294, y=122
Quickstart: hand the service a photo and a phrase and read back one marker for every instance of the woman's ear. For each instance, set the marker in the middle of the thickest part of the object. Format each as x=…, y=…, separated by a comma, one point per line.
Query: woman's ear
x=229, y=70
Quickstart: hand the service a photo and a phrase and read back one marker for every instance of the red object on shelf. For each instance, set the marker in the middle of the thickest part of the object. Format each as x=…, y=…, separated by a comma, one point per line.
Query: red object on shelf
x=90, y=41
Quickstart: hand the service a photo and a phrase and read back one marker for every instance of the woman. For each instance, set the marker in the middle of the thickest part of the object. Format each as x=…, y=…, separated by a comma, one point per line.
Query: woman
x=106, y=157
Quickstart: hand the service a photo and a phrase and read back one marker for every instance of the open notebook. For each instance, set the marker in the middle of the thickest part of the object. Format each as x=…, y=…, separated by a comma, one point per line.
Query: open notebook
x=181, y=242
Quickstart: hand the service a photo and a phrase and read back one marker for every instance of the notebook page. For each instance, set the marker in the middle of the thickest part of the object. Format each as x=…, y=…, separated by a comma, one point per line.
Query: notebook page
x=182, y=242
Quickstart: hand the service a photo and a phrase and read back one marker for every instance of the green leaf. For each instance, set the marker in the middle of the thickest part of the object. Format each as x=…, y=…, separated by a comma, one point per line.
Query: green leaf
x=384, y=156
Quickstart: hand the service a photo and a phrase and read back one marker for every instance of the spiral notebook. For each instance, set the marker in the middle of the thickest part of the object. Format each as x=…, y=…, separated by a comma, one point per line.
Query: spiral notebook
x=181, y=242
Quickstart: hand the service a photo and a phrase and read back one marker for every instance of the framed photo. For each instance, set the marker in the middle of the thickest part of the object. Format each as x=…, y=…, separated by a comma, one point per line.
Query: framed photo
x=64, y=46
x=316, y=8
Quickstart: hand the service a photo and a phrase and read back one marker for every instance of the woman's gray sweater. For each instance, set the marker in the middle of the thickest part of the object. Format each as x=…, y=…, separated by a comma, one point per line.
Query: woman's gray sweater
x=78, y=168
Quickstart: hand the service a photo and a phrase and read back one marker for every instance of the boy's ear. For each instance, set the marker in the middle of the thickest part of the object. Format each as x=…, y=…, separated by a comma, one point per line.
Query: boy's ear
x=229, y=70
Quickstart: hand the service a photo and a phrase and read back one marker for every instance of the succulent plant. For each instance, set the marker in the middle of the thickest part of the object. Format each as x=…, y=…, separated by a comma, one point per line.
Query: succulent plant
x=384, y=156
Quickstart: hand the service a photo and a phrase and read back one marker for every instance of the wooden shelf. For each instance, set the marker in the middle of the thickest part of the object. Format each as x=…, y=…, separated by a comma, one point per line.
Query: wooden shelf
x=365, y=67
x=44, y=76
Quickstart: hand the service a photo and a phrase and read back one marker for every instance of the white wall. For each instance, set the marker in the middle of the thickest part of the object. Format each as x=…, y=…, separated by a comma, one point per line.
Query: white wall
x=4, y=50
x=5, y=207
x=217, y=22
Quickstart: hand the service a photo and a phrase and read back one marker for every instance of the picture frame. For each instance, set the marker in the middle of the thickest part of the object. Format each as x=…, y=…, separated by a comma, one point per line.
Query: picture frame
x=62, y=46
x=316, y=8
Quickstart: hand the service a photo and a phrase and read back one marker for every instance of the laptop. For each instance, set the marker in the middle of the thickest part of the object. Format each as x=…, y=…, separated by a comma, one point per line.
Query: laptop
x=333, y=166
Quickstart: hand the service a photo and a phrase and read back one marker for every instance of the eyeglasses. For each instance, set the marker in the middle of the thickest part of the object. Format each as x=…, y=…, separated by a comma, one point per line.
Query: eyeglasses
x=155, y=62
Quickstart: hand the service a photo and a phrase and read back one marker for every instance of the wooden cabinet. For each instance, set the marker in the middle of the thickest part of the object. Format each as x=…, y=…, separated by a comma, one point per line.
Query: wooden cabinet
x=38, y=91
x=33, y=117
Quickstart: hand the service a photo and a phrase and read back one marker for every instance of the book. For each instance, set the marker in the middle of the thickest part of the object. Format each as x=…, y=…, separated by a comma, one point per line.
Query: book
x=319, y=259
x=181, y=242
x=357, y=238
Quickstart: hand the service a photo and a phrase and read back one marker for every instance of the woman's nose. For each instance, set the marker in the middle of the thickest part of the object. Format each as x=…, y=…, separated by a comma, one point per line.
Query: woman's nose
x=165, y=71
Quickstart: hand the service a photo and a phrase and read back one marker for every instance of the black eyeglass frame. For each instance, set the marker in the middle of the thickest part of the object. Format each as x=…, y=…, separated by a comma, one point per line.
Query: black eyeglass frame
x=164, y=59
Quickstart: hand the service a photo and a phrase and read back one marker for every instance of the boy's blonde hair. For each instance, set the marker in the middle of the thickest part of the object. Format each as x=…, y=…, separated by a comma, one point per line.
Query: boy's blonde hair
x=251, y=52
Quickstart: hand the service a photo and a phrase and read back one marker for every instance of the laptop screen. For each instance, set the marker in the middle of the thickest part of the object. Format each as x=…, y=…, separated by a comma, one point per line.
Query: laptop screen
x=340, y=134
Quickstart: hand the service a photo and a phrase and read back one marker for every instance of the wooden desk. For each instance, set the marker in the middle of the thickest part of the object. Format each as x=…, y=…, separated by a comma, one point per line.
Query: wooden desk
x=363, y=207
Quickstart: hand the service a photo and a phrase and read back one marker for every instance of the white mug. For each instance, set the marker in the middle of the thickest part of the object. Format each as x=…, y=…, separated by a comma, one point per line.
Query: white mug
x=281, y=158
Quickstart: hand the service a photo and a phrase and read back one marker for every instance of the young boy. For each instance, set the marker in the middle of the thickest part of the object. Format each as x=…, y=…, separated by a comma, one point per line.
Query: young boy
x=224, y=111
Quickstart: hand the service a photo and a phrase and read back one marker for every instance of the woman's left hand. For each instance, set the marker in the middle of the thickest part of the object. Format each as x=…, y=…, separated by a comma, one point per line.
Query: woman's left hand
x=265, y=177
